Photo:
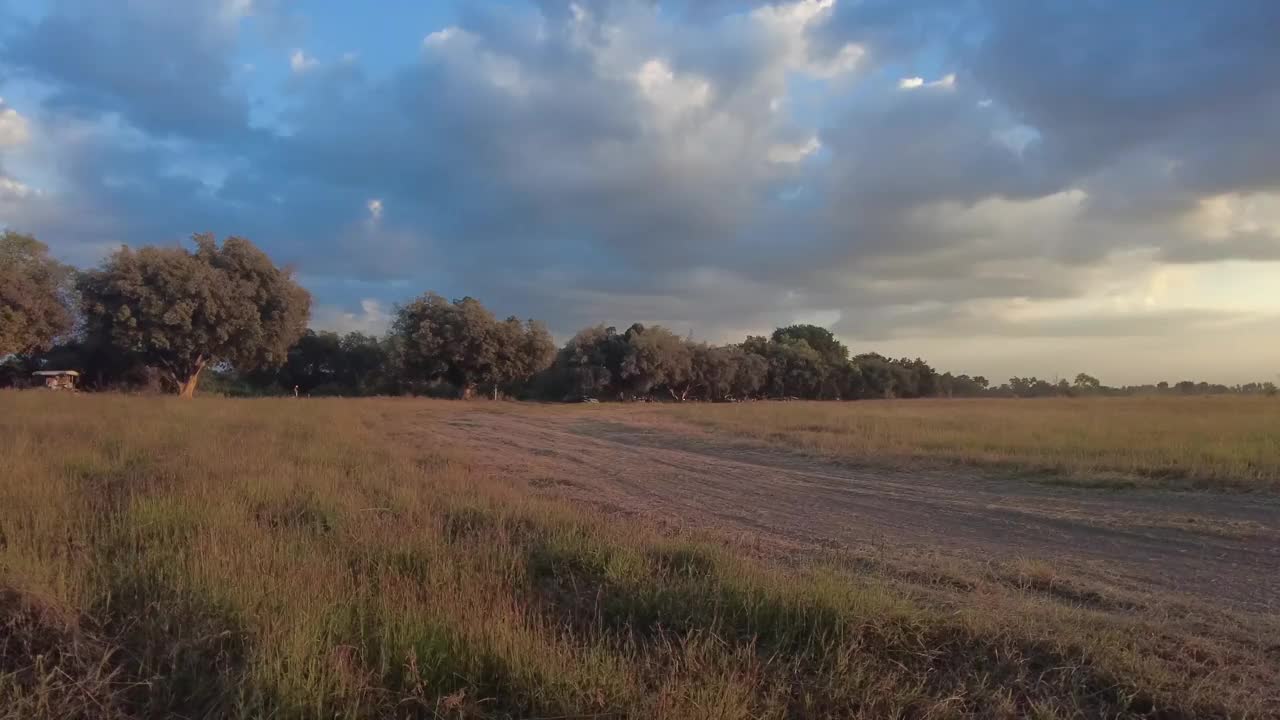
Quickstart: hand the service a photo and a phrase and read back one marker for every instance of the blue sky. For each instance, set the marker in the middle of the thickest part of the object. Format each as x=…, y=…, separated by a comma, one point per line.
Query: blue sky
x=1002, y=187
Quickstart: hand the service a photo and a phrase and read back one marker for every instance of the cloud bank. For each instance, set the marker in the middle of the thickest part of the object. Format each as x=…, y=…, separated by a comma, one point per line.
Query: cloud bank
x=1003, y=187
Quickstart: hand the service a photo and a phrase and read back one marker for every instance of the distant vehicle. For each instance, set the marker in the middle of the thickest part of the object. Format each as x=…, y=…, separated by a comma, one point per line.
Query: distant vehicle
x=58, y=379
x=581, y=399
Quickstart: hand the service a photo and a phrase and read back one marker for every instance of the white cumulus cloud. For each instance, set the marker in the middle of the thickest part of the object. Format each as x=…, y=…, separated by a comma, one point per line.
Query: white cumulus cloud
x=300, y=62
x=946, y=82
x=14, y=129
x=372, y=318
x=11, y=188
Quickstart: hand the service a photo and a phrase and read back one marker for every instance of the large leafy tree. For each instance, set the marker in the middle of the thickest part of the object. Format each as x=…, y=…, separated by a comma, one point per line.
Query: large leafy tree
x=182, y=311
x=751, y=375
x=584, y=361
x=527, y=349
x=656, y=357
x=35, y=295
x=820, y=339
x=462, y=343
x=450, y=341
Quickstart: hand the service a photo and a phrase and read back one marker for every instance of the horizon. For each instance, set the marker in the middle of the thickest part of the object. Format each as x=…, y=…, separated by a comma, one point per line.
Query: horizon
x=1003, y=189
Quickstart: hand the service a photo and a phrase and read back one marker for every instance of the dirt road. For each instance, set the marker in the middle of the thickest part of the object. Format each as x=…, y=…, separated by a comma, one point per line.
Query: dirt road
x=1219, y=547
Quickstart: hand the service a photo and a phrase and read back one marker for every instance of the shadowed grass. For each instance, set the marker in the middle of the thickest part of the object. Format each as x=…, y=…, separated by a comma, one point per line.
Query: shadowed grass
x=299, y=559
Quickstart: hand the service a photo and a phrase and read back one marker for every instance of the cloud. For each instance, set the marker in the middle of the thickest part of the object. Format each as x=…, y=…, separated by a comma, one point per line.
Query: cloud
x=945, y=82
x=371, y=319
x=14, y=129
x=794, y=152
x=165, y=67
x=721, y=168
x=1222, y=217
x=441, y=38
x=13, y=190
x=300, y=62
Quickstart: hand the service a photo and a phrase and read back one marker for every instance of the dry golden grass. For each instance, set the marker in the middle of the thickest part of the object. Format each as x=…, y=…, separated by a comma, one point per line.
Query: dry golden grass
x=1208, y=442
x=299, y=559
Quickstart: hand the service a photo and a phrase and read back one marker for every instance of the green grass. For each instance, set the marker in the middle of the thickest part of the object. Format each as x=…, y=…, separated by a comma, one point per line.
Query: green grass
x=1228, y=443
x=303, y=559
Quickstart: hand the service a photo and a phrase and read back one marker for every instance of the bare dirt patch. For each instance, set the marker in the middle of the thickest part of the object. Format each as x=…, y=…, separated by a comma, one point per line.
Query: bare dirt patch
x=1218, y=547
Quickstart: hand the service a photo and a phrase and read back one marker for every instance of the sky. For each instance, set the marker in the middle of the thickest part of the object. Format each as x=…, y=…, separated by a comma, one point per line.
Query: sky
x=1001, y=187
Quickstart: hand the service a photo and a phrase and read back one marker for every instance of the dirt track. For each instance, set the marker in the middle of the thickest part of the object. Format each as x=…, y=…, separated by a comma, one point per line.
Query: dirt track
x=1220, y=547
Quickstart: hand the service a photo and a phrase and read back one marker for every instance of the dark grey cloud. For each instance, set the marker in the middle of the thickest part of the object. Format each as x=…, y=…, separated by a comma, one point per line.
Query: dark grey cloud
x=1098, y=78
x=164, y=66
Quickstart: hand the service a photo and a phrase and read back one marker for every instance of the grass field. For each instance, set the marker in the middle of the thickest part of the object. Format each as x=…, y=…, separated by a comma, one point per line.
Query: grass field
x=299, y=559
x=1200, y=442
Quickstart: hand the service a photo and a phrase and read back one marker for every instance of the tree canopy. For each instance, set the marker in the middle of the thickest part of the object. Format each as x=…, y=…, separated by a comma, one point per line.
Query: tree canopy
x=181, y=311
x=463, y=344
x=35, y=296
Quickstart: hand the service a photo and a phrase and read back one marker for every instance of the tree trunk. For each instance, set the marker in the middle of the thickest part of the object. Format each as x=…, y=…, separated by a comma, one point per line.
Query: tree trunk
x=187, y=387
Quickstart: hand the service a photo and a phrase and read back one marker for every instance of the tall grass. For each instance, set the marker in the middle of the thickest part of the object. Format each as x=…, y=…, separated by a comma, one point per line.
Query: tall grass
x=299, y=559
x=1211, y=442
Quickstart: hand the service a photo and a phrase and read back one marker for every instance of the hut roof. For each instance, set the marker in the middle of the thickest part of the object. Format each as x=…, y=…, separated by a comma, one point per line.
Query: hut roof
x=56, y=373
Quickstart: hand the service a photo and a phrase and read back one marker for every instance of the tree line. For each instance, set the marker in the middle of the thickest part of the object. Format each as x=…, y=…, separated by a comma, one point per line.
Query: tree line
x=225, y=315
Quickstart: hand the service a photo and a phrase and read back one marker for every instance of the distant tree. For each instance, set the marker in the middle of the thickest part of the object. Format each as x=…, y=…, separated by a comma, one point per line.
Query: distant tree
x=313, y=363
x=524, y=349
x=35, y=296
x=796, y=369
x=704, y=371
x=847, y=381
x=719, y=368
x=820, y=339
x=462, y=343
x=1035, y=387
x=367, y=368
x=962, y=385
x=326, y=363
x=751, y=375
x=1086, y=383
x=583, y=365
x=917, y=378
x=756, y=345
x=655, y=358
x=878, y=378
x=947, y=385
x=180, y=311
x=451, y=341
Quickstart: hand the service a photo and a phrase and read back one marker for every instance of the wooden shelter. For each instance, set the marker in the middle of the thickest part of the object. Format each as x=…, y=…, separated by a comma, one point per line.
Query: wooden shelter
x=58, y=379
